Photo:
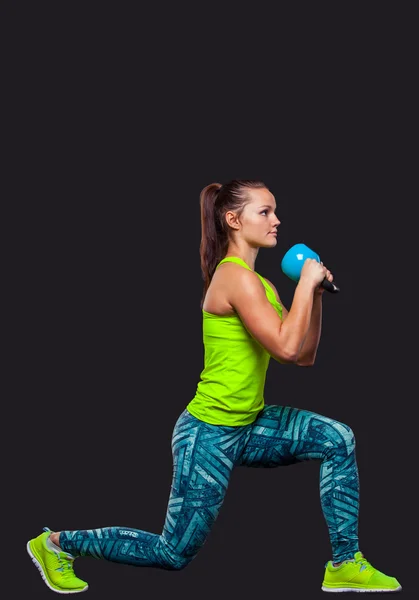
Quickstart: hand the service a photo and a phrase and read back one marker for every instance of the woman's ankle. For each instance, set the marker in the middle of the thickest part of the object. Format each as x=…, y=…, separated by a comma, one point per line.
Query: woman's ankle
x=55, y=538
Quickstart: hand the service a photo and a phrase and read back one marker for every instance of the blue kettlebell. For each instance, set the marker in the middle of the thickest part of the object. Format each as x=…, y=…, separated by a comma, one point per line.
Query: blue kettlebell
x=293, y=262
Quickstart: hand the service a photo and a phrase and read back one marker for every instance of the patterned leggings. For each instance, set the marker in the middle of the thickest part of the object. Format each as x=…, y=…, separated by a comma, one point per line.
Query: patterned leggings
x=204, y=456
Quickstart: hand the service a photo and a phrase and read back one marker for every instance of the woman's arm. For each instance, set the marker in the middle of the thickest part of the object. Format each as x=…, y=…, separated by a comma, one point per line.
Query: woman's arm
x=308, y=351
x=247, y=296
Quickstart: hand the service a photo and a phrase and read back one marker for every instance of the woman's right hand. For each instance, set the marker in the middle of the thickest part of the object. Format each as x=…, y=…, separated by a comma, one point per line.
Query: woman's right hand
x=313, y=272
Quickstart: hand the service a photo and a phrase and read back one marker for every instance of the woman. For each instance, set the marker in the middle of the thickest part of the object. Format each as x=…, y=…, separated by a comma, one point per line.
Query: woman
x=227, y=423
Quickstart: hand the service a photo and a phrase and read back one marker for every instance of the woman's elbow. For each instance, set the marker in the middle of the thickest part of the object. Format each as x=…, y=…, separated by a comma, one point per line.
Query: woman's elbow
x=286, y=359
x=305, y=363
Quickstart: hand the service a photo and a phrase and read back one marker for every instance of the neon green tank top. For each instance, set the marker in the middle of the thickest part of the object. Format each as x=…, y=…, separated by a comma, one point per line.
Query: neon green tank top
x=231, y=386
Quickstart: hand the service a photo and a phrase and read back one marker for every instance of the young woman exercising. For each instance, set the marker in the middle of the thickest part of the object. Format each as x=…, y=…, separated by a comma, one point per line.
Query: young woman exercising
x=227, y=423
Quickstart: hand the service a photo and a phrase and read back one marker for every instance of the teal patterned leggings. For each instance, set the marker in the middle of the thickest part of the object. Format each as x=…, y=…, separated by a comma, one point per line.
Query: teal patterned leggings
x=204, y=456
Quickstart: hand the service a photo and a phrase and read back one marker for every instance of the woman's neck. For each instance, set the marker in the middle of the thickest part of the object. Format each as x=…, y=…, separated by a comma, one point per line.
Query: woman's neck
x=248, y=257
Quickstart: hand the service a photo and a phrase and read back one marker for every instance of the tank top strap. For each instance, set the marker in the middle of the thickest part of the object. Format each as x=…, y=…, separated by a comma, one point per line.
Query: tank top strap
x=234, y=259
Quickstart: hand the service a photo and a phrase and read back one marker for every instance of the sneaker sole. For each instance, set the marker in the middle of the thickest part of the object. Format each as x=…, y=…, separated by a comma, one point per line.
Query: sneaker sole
x=44, y=577
x=354, y=589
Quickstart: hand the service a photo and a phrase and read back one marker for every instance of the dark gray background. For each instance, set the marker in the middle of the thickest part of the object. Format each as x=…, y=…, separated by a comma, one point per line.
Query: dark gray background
x=119, y=117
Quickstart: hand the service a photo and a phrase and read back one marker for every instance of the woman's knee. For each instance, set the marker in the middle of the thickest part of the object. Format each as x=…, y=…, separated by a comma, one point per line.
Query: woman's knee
x=343, y=436
x=177, y=562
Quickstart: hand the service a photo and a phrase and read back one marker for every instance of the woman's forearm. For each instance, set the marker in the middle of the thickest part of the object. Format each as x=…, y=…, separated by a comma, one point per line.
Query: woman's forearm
x=308, y=351
x=295, y=327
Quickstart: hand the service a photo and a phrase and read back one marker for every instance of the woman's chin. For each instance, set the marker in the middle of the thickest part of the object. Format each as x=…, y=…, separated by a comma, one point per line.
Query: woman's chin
x=265, y=245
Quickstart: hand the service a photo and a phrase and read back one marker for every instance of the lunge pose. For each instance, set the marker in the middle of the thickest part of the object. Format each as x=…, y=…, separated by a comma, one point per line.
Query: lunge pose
x=227, y=424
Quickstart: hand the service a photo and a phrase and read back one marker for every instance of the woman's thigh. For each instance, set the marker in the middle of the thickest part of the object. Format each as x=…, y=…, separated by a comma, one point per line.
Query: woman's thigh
x=203, y=458
x=284, y=435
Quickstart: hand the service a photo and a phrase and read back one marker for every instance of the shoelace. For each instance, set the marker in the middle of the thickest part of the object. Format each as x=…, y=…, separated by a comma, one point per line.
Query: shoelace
x=364, y=564
x=66, y=566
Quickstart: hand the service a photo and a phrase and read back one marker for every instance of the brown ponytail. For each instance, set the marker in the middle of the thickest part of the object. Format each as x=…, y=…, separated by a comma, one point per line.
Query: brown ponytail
x=215, y=201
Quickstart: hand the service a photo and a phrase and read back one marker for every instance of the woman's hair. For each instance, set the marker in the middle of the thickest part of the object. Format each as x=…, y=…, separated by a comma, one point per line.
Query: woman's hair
x=216, y=200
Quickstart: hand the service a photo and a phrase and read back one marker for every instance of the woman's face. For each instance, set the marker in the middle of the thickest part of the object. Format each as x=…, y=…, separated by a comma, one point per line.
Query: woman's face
x=258, y=219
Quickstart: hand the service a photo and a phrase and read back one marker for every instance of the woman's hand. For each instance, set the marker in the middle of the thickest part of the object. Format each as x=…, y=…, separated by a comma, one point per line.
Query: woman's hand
x=319, y=290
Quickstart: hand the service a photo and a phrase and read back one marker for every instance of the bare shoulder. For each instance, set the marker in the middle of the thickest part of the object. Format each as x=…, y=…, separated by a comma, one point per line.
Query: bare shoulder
x=229, y=278
x=234, y=275
x=217, y=300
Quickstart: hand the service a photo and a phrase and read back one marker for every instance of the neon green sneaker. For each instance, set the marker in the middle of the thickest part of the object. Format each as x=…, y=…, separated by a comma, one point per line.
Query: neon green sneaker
x=55, y=567
x=357, y=576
